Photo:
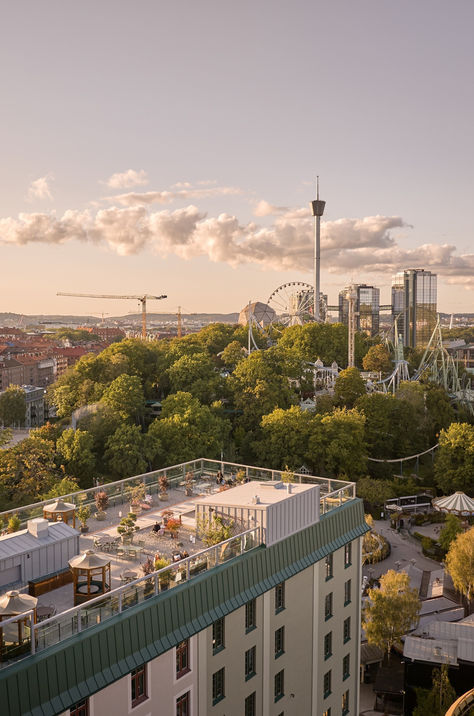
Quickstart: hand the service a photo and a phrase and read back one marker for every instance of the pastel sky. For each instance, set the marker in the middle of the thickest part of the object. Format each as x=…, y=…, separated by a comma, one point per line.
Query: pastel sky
x=172, y=147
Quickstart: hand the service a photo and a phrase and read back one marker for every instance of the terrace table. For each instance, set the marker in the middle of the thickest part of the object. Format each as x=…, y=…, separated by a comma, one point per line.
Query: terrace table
x=44, y=612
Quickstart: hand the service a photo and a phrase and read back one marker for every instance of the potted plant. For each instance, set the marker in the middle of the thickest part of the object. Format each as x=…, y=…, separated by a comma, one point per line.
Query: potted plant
x=164, y=577
x=14, y=523
x=83, y=514
x=137, y=495
x=127, y=527
x=101, y=502
x=240, y=476
x=188, y=483
x=167, y=515
x=173, y=526
x=163, y=485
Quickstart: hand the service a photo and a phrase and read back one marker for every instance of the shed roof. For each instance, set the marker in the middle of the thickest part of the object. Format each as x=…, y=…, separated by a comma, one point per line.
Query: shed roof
x=23, y=541
x=439, y=651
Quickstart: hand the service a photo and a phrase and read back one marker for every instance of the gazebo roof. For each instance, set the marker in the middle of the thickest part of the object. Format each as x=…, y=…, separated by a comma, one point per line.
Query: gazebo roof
x=59, y=506
x=88, y=560
x=15, y=602
x=456, y=504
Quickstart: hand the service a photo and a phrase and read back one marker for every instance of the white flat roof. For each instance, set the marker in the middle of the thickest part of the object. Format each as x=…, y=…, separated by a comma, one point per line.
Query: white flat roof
x=268, y=493
x=23, y=541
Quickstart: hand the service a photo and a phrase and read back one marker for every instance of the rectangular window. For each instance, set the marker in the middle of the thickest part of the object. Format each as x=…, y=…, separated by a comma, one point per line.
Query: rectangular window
x=345, y=666
x=250, y=662
x=250, y=615
x=183, y=705
x=347, y=629
x=347, y=592
x=251, y=705
x=218, y=635
x=80, y=709
x=280, y=597
x=328, y=645
x=182, y=659
x=279, y=641
x=218, y=686
x=328, y=606
x=329, y=563
x=327, y=684
x=348, y=554
x=345, y=703
x=279, y=685
x=139, y=690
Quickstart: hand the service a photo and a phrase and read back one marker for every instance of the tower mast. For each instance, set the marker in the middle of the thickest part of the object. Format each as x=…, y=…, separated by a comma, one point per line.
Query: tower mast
x=317, y=208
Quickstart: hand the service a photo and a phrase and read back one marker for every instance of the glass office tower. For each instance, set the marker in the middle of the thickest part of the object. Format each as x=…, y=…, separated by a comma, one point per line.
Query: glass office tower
x=414, y=302
x=367, y=308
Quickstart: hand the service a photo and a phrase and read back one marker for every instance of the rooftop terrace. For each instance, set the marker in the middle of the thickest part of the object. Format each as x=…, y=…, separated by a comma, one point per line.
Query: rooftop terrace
x=189, y=556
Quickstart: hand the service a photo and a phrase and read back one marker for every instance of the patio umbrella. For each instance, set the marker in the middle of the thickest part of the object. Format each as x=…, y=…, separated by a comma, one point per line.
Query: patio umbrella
x=458, y=504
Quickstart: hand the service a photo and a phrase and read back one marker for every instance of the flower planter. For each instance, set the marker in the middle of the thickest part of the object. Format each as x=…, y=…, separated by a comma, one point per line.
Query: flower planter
x=163, y=496
x=84, y=529
x=101, y=516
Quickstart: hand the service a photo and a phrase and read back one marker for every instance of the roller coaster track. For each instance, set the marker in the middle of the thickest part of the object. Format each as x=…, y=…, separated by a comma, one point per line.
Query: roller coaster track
x=409, y=457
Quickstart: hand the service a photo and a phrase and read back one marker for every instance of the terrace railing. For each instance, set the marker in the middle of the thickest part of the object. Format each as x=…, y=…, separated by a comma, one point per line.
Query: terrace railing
x=88, y=615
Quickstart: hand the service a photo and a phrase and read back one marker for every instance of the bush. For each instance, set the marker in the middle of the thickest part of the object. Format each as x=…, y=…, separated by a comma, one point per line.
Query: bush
x=14, y=523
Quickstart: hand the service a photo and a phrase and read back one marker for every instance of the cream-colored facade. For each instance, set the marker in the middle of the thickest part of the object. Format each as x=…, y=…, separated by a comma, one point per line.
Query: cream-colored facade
x=303, y=660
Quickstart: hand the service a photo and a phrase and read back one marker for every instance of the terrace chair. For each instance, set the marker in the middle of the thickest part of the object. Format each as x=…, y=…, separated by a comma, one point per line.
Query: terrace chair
x=120, y=552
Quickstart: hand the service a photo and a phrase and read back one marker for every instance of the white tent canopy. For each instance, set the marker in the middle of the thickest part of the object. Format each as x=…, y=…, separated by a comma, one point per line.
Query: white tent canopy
x=457, y=504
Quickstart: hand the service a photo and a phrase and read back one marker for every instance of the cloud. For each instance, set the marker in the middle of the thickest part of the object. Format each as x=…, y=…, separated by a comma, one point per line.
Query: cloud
x=125, y=180
x=165, y=197
x=351, y=245
x=263, y=208
x=40, y=189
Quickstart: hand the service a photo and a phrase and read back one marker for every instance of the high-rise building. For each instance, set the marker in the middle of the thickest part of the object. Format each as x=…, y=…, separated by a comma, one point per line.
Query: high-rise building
x=367, y=308
x=414, y=305
x=267, y=622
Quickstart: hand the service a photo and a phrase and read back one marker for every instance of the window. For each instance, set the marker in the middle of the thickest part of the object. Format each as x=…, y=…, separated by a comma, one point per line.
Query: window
x=348, y=554
x=328, y=606
x=347, y=629
x=251, y=705
x=327, y=684
x=329, y=566
x=279, y=641
x=218, y=635
x=250, y=662
x=280, y=597
x=279, y=685
x=218, y=686
x=328, y=645
x=182, y=659
x=250, y=615
x=183, y=705
x=345, y=666
x=347, y=592
x=80, y=709
x=345, y=703
x=138, y=677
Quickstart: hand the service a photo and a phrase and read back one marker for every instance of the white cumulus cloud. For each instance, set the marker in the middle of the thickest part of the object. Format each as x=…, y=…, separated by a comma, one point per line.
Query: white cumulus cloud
x=40, y=189
x=125, y=180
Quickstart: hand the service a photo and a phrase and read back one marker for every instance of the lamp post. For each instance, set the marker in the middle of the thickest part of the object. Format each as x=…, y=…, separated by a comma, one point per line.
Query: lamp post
x=317, y=208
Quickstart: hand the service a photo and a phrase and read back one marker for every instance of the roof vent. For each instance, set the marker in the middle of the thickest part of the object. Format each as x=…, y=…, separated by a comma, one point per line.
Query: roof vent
x=255, y=500
x=38, y=527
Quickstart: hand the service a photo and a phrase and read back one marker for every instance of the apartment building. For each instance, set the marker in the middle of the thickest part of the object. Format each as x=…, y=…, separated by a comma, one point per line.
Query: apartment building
x=273, y=631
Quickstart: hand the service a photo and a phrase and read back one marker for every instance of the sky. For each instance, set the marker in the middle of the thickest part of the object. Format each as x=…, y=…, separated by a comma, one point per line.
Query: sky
x=172, y=148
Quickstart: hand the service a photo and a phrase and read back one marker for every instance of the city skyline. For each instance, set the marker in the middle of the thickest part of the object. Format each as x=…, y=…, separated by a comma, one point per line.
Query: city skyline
x=186, y=164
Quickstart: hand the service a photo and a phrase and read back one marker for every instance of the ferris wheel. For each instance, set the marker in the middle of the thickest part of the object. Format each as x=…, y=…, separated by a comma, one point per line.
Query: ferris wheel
x=292, y=303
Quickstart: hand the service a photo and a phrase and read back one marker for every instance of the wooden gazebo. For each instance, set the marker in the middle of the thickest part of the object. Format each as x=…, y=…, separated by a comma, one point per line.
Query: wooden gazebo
x=14, y=635
x=60, y=511
x=91, y=576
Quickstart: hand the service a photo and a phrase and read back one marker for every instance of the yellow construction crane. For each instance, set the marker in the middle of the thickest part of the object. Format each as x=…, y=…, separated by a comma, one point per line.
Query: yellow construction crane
x=143, y=299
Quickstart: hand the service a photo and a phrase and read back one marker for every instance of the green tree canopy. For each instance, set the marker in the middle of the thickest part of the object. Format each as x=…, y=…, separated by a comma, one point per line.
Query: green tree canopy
x=75, y=451
x=284, y=438
x=454, y=463
x=195, y=374
x=437, y=701
x=12, y=406
x=27, y=470
x=349, y=387
x=124, y=453
x=460, y=563
x=374, y=492
x=452, y=527
x=232, y=354
x=392, y=610
x=377, y=358
x=125, y=396
x=341, y=436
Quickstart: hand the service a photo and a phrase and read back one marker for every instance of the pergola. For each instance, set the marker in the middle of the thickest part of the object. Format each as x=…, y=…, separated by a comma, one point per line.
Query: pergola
x=60, y=511
x=457, y=504
x=91, y=576
x=12, y=604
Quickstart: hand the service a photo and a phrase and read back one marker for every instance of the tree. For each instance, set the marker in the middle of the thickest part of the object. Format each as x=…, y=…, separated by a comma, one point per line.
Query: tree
x=27, y=470
x=195, y=374
x=460, y=563
x=452, y=527
x=124, y=452
x=12, y=406
x=437, y=701
x=374, y=492
x=75, y=450
x=232, y=354
x=284, y=438
x=337, y=444
x=348, y=387
x=5, y=437
x=125, y=396
x=66, y=486
x=377, y=358
x=392, y=610
x=454, y=464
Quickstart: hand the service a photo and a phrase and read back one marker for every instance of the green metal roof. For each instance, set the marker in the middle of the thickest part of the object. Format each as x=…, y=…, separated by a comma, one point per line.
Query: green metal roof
x=51, y=681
